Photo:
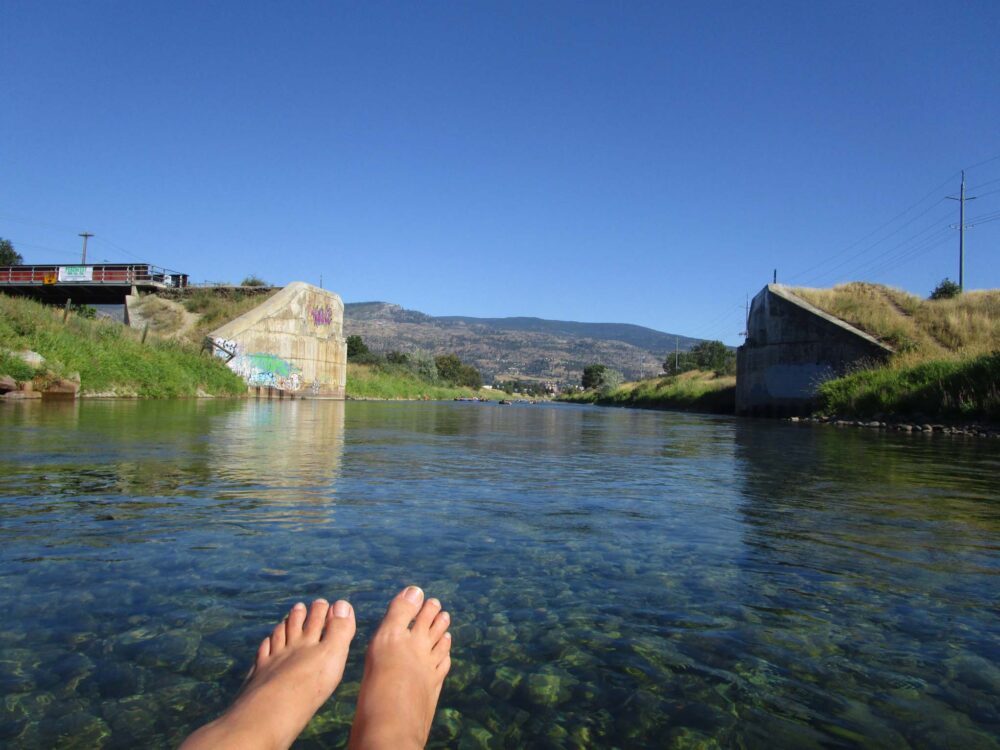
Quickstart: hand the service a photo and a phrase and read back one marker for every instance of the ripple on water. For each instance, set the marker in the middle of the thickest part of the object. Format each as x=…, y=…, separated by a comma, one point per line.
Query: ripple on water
x=616, y=578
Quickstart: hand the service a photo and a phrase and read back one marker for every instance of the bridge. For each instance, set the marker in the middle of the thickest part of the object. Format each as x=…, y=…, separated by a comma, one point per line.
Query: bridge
x=93, y=284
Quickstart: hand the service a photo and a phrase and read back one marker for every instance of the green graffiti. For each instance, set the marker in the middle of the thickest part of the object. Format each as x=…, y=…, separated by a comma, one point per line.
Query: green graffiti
x=270, y=363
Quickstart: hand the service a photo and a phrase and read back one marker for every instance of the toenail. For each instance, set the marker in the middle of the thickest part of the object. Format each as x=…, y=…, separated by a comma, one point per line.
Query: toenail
x=341, y=609
x=435, y=602
x=413, y=594
x=299, y=605
x=447, y=635
x=445, y=616
x=321, y=600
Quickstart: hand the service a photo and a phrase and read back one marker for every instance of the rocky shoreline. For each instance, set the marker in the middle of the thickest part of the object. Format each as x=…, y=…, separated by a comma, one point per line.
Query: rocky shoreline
x=914, y=424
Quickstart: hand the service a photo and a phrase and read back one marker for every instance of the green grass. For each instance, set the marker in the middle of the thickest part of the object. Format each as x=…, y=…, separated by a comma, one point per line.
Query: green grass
x=109, y=357
x=367, y=381
x=945, y=360
x=689, y=391
x=947, y=389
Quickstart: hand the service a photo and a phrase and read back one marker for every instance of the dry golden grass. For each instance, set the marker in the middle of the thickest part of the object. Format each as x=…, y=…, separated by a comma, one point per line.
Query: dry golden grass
x=217, y=307
x=917, y=329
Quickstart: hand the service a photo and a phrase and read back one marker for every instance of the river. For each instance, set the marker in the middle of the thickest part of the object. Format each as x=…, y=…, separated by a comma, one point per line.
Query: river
x=616, y=578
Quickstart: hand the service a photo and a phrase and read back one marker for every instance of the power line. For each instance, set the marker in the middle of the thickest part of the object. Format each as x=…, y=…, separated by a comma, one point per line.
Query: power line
x=902, y=213
x=843, y=263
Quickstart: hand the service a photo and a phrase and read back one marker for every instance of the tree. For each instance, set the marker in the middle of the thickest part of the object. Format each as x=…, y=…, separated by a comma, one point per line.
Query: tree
x=451, y=369
x=8, y=255
x=601, y=378
x=713, y=356
x=593, y=376
x=611, y=380
x=355, y=347
x=253, y=280
x=946, y=290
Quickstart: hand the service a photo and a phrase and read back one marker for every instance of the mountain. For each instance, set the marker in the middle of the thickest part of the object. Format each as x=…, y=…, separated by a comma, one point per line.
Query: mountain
x=507, y=348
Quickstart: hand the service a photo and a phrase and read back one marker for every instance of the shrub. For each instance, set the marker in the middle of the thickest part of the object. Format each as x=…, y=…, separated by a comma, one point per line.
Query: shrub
x=253, y=280
x=946, y=290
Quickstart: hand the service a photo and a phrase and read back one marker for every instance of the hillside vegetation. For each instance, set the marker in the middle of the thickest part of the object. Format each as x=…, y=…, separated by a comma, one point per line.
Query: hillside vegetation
x=947, y=353
x=110, y=357
x=917, y=329
x=514, y=348
x=694, y=390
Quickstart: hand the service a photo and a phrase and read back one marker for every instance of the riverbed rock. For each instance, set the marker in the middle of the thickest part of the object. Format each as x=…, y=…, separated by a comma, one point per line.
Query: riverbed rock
x=505, y=682
x=549, y=687
x=7, y=383
x=62, y=388
x=21, y=395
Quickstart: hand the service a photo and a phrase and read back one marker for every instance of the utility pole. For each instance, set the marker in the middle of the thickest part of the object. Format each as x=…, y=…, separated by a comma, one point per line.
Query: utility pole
x=775, y=276
x=962, y=198
x=85, y=236
x=677, y=353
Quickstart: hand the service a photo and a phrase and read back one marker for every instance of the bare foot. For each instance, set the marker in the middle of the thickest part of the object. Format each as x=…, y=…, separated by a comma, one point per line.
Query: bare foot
x=405, y=668
x=297, y=668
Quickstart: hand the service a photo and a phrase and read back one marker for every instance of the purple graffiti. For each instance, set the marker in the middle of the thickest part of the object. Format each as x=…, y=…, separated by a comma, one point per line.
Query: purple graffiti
x=322, y=316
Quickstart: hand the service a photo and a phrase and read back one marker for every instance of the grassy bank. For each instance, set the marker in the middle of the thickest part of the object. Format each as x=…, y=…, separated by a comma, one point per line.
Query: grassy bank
x=945, y=363
x=917, y=329
x=109, y=357
x=368, y=381
x=963, y=388
x=217, y=307
x=689, y=391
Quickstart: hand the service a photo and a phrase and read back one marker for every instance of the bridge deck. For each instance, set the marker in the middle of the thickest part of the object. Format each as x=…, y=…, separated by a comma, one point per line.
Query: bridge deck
x=87, y=284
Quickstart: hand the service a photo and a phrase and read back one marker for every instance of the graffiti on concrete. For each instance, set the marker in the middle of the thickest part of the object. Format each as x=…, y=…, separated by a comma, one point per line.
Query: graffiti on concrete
x=259, y=368
x=322, y=316
x=226, y=348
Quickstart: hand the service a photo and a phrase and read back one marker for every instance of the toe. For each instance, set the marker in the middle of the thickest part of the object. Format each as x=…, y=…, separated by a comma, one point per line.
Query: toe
x=315, y=620
x=442, y=648
x=425, y=617
x=444, y=665
x=439, y=626
x=404, y=607
x=264, y=650
x=340, y=624
x=293, y=625
x=278, y=636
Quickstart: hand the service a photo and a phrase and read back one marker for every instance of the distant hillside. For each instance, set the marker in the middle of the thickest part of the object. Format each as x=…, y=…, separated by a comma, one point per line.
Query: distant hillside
x=502, y=348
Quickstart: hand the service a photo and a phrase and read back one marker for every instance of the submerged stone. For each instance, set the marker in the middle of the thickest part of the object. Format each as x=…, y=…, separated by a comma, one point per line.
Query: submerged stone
x=505, y=682
x=547, y=688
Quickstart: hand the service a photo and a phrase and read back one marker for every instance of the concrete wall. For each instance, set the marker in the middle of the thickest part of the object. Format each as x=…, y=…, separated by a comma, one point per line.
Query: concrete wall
x=293, y=341
x=791, y=348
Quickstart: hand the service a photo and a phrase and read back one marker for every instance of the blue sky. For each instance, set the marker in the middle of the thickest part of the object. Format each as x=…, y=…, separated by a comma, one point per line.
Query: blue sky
x=648, y=163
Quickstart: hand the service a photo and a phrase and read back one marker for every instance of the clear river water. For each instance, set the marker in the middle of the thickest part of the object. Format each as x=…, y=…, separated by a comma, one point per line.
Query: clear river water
x=616, y=578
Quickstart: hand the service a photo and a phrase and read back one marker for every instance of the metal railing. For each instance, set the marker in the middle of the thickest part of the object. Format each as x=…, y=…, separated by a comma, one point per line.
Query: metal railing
x=138, y=273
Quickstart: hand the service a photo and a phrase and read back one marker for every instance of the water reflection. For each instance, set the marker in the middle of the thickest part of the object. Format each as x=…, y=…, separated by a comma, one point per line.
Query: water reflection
x=863, y=564
x=279, y=450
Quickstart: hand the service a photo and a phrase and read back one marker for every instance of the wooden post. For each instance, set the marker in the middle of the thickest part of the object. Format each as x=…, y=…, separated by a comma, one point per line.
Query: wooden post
x=69, y=304
x=145, y=331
